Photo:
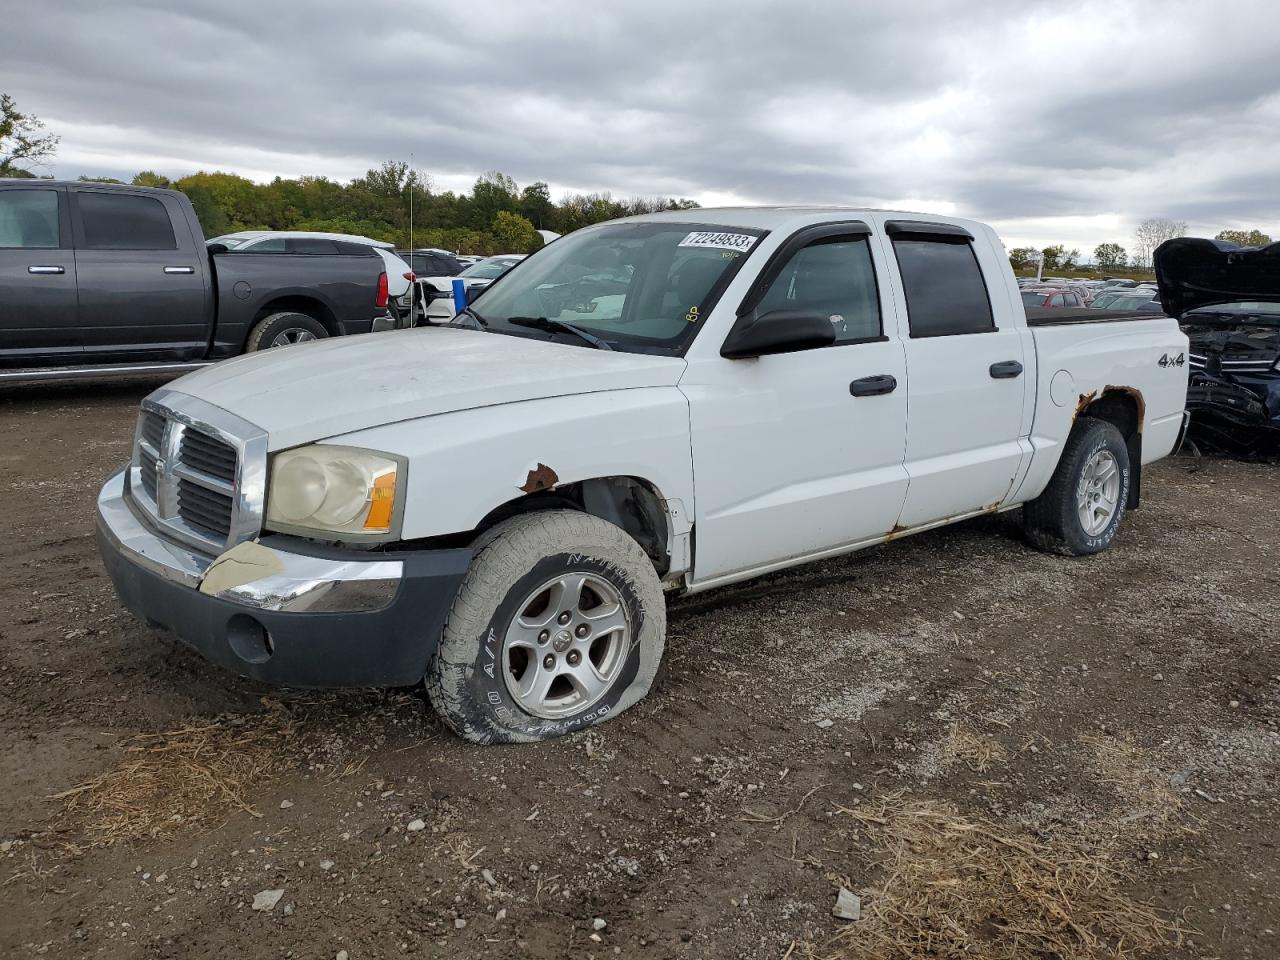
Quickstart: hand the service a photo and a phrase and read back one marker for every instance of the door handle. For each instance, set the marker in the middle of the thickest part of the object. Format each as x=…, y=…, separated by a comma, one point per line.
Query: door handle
x=873, y=386
x=1006, y=370
x=179, y=269
x=46, y=269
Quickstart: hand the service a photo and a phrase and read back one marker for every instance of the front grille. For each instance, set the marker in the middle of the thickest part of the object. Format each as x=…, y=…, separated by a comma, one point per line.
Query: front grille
x=191, y=466
x=207, y=454
x=148, y=473
x=152, y=429
x=205, y=509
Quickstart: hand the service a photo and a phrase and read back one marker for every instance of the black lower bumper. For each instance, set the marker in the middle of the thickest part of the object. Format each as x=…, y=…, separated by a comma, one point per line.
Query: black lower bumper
x=386, y=647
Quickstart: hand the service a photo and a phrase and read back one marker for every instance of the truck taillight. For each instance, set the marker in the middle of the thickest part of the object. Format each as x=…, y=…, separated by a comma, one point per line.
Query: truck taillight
x=383, y=291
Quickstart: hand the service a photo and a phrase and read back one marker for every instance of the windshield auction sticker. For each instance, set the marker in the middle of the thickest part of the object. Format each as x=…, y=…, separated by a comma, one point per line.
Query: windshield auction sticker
x=739, y=242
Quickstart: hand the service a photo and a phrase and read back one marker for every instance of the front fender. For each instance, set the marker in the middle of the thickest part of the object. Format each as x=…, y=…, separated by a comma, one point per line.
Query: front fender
x=465, y=464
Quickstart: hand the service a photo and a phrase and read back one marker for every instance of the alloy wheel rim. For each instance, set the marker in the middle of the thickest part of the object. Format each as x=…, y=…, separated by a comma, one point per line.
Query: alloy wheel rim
x=292, y=335
x=566, y=645
x=1098, y=493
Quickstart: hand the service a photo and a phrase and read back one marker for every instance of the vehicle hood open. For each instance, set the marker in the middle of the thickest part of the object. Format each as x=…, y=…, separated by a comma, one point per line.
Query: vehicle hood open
x=312, y=391
x=1193, y=272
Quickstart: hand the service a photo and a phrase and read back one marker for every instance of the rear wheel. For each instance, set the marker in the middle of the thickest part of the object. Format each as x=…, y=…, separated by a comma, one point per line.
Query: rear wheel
x=559, y=625
x=284, y=329
x=1080, y=510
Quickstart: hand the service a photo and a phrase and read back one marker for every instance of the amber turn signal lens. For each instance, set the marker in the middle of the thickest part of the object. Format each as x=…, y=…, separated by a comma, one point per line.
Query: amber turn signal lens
x=382, y=501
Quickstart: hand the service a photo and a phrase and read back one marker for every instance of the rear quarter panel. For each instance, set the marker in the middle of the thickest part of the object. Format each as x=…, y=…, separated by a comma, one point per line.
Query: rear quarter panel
x=345, y=286
x=1078, y=363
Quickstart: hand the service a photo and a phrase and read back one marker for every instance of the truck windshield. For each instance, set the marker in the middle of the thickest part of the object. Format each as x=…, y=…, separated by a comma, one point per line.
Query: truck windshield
x=642, y=287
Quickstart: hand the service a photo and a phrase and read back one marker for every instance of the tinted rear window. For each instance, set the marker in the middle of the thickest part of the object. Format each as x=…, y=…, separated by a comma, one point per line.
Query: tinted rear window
x=945, y=291
x=121, y=221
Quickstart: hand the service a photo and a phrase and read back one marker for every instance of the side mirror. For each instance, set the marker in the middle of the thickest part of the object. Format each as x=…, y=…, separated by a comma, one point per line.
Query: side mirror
x=778, y=331
x=474, y=291
x=217, y=248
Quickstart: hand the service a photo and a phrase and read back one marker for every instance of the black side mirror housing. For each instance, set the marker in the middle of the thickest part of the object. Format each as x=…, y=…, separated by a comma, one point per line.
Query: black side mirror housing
x=217, y=248
x=777, y=331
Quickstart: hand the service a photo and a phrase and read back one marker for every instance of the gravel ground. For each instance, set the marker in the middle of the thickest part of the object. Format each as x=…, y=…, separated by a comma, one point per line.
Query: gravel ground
x=960, y=667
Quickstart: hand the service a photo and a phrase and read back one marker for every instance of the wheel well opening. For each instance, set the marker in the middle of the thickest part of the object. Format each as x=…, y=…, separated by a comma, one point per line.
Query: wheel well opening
x=1124, y=408
x=627, y=502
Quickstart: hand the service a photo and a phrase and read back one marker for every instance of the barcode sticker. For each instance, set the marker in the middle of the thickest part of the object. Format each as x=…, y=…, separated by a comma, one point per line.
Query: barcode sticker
x=739, y=242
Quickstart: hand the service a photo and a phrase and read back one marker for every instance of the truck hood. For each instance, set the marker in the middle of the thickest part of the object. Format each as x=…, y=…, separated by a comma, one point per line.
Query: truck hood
x=312, y=391
x=1193, y=272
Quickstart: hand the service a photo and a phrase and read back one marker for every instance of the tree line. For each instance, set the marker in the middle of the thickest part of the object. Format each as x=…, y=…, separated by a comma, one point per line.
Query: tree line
x=1111, y=257
x=495, y=216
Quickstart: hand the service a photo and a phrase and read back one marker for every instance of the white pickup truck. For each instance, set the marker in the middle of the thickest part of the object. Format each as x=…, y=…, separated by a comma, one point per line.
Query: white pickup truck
x=676, y=401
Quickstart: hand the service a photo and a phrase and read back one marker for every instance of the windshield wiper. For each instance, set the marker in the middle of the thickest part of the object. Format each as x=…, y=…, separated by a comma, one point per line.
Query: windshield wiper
x=559, y=326
x=468, y=312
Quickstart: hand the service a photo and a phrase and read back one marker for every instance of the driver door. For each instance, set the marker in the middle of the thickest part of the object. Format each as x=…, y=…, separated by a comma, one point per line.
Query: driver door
x=798, y=454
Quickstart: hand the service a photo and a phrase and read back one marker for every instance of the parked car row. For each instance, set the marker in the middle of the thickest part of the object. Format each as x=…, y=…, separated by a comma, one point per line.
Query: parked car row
x=1118, y=294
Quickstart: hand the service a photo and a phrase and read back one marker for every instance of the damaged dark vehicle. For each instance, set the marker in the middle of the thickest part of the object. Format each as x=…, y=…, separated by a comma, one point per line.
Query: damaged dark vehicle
x=1227, y=299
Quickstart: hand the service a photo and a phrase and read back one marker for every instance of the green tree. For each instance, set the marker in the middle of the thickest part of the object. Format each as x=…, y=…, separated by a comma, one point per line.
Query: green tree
x=213, y=220
x=1245, y=238
x=22, y=145
x=1053, y=256
x=1022, y=257
x=493, y=193
x=1110, y=256
x=514, y=234
x=149, y=178
x=536, y=205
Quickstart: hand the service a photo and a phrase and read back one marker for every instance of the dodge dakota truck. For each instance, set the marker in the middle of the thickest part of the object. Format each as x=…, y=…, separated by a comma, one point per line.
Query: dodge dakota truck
x=668, y=402
x=106, y=279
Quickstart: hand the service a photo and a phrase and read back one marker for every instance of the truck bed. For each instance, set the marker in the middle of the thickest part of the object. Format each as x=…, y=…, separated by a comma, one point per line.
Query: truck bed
x=1059, y=316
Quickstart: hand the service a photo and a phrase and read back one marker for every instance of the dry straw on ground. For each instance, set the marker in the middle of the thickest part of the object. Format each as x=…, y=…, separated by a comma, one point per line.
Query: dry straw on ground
x=959, y=886
x=973, y=749
x=178, y=778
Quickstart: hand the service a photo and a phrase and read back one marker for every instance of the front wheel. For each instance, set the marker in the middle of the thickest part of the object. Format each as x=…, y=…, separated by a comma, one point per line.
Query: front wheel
x=559, y=624
x=1080, y=510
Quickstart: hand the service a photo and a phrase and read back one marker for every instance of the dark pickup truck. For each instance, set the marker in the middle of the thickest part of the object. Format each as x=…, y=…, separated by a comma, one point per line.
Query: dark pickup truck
x=101, y=279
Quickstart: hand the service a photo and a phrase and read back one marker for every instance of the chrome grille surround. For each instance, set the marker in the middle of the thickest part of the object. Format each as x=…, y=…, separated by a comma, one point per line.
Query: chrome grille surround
x=158, y=473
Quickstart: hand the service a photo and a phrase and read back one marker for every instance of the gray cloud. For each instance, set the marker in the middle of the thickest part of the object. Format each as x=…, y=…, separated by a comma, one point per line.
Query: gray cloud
x=1054, y=123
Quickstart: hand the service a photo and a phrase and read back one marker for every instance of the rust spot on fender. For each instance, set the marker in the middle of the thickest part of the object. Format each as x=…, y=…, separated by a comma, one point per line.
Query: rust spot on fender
x=540, y=477
x=897, y=531
x=1083, y=404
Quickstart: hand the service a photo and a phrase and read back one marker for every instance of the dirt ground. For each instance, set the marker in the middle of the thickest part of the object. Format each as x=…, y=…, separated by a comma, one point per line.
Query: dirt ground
x=1127, y=703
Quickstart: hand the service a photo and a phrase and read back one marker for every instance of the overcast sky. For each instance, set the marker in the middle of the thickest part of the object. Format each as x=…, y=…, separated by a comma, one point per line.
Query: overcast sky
x=1055, y=121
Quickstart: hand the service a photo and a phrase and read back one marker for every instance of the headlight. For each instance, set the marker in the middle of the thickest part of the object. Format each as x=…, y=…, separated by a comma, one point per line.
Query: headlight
x=335, y=490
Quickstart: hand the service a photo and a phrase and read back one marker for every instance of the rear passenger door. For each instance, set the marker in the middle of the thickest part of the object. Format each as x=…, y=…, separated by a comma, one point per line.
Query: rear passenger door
x=37, y=275
x=966, y=379
x=142, y=276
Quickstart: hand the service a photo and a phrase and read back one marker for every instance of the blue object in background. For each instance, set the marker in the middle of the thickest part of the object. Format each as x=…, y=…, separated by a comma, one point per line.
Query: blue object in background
x=459, y=296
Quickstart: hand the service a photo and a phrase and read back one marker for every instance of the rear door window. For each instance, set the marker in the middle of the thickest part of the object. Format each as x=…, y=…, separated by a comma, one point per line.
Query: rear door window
x=29, y=219
x=946, y=294
x=122, y=221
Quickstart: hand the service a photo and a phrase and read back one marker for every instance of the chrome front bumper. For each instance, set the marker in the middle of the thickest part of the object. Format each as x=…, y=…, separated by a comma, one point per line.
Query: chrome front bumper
x=252, y=575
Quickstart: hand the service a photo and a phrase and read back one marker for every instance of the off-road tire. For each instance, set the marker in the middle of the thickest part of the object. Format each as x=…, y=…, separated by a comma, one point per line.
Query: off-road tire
x=1051, y=521
x=268, y=328
x=465, y=679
